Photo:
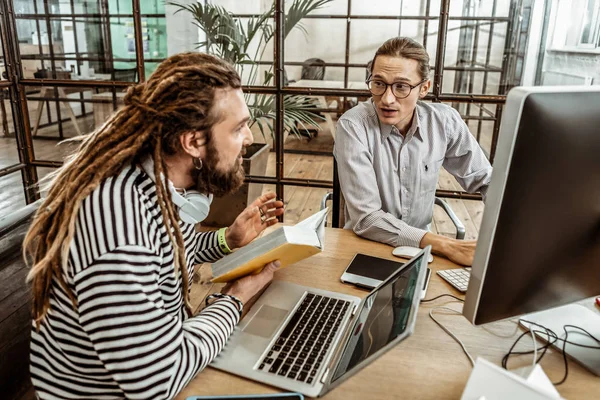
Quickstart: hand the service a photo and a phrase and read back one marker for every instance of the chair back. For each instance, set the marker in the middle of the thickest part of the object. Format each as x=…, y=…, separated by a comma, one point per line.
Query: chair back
x=125, y=75
x=313, y=69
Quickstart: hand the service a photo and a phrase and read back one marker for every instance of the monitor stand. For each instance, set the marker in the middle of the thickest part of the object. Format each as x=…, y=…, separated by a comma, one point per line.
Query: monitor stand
x=576, y=315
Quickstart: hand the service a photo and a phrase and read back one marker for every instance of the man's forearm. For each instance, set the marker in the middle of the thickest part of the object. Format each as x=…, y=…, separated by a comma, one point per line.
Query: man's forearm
x=440, y=245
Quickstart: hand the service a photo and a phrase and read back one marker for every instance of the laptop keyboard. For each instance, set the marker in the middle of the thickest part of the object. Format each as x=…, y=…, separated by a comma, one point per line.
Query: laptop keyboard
x=300, y=349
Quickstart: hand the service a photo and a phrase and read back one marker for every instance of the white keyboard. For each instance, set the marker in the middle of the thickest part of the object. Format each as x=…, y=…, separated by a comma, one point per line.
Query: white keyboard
x=459, y=277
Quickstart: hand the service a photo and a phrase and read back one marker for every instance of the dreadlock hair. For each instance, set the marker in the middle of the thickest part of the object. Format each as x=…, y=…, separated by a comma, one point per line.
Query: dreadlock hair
x=176, y=99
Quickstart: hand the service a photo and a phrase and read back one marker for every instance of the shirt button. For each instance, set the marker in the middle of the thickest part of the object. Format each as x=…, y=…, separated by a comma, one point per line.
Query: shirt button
x=403, y=169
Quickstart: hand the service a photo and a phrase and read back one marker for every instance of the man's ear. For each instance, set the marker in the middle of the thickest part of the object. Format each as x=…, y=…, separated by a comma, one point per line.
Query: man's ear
x=425, y=88
x=193, y=143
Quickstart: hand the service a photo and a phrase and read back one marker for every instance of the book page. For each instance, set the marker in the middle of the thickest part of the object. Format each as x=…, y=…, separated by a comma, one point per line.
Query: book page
x=289, y=244
x=316, y=223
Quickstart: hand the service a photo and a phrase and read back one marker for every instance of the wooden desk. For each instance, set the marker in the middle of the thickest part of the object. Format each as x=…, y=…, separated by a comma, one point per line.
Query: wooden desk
x=427, y=365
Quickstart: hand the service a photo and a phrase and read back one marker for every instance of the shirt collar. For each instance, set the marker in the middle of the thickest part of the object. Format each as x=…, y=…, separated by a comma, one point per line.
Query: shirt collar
x=386, y=130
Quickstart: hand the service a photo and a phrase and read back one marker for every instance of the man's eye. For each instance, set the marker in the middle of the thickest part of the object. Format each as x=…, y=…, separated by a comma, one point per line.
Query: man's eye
x=401, y=86
x=378, y=84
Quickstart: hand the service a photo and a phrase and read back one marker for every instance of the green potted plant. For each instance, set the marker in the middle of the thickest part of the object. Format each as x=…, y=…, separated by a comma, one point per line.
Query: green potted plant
x=229, y=38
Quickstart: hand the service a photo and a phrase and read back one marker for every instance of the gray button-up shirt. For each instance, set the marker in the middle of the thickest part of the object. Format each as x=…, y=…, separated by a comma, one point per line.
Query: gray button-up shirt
x=388, y=180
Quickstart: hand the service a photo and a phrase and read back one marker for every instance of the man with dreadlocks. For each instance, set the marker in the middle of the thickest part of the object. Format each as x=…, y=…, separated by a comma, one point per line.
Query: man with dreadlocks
x=111, y=253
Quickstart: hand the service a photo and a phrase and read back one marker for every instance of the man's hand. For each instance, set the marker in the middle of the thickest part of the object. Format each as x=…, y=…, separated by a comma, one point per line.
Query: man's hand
x=249, y=286
x=458, y=251
x=262, y=213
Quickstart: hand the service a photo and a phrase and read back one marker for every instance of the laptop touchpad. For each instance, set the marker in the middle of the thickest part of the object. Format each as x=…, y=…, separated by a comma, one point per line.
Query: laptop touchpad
x=266, y=321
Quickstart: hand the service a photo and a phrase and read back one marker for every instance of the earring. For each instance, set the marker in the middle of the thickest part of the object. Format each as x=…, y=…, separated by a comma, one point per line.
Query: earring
x=197, y=163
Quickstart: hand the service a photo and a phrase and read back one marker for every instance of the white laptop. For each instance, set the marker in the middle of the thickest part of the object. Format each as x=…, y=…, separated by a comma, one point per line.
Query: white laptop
x=309, y=340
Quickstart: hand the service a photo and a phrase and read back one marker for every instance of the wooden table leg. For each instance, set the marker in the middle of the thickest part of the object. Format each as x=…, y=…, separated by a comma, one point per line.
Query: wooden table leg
x=40, y=109
x=61, y=93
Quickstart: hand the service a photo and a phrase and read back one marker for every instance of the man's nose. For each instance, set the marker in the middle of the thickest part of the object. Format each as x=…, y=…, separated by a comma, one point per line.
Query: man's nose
x=248, y=137
x=388, y=96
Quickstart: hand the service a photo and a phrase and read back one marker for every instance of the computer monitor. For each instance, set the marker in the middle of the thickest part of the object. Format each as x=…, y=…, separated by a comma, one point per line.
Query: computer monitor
x=539, y=242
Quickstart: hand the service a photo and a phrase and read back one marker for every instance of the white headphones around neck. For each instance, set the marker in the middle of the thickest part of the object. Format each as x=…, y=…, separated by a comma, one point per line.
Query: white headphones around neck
x=192, y=206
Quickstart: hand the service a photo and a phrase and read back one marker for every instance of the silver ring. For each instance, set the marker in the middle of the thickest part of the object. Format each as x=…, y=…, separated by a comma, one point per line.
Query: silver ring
x=263, y=217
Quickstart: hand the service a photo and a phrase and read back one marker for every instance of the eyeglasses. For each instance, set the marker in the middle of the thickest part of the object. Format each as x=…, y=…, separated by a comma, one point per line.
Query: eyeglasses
x=399, y=89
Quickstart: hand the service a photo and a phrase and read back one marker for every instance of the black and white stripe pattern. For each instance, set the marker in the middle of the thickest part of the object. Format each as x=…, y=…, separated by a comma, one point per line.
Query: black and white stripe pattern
x=129, y=336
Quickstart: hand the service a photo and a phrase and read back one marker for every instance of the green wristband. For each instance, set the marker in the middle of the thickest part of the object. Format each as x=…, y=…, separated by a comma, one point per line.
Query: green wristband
x=222, y=242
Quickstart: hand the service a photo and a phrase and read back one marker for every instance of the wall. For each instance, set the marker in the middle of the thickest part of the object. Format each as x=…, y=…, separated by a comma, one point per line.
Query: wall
x=571, y=67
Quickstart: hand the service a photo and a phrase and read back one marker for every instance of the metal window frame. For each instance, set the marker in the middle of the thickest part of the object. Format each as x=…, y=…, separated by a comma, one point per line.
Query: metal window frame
x=17, y=84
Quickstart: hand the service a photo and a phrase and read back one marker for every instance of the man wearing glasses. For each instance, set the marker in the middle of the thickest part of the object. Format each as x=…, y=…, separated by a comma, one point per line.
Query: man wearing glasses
x=390, y=149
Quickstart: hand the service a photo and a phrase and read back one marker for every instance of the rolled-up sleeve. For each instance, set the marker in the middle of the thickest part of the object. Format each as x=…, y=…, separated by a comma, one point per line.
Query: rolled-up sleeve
x=361, y=193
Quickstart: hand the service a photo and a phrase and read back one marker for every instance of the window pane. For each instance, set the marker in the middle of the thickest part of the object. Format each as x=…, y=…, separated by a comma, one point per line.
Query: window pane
x=363, y=47
x=42, y=173
x=334, y=7
x=9, y=154
x=464, y=8
x=84, y=48
x=12, y=195
x=243, y=7
x=152, y=7
x=389, y=7
x=154, y=38
x=65, y=112
x=590, y=24
x=86, y=6
x=119, y=7
x=28, y=6
x=474, y=57
x=3, y=73
x=303, y=45
x=149, y=68
x=480, y=118
x=79, y=7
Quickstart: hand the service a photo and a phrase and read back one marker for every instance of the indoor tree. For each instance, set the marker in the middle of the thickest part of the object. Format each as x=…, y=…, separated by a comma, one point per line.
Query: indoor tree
x=232, y=39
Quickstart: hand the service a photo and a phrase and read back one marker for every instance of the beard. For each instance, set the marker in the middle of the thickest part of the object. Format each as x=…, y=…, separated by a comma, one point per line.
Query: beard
x=220, y=183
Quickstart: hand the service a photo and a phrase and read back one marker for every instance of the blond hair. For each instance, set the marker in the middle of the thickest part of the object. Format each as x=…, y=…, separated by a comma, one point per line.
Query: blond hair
x=407, y=48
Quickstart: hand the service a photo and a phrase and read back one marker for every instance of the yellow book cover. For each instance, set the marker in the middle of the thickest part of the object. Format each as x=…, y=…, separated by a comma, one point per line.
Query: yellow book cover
x=288, y=244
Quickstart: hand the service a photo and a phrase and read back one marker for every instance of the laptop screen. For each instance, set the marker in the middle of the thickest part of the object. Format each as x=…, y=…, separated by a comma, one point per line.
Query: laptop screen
x=384, y=317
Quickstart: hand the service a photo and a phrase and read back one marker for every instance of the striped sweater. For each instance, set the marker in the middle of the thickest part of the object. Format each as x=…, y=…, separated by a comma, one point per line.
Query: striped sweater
x=129, y=335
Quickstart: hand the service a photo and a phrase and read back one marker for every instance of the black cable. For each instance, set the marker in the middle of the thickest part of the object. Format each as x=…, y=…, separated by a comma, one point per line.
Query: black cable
x=442, y=295
x=552, y=339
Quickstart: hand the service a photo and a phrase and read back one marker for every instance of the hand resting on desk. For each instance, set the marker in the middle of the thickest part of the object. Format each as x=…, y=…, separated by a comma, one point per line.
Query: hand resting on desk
x=458, y=251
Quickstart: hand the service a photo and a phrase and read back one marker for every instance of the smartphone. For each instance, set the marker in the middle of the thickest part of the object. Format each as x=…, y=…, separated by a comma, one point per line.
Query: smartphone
x=266, y=396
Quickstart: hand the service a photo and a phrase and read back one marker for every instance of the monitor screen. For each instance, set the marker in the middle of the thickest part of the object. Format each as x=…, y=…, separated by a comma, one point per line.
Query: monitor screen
x=539, y=242
x=383, y=317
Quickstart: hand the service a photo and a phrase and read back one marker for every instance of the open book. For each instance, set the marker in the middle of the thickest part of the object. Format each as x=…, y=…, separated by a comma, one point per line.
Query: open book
x=288, y=244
